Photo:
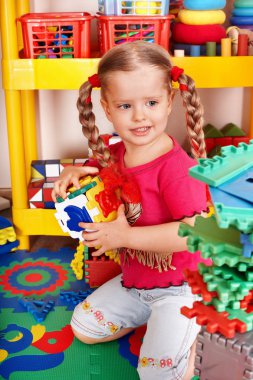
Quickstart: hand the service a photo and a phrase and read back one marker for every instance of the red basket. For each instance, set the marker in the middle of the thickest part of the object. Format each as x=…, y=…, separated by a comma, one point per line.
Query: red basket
x=115, y=30
x=56, y=35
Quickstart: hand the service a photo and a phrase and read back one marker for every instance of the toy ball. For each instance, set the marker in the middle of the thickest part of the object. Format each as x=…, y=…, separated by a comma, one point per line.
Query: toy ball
x=145, y=7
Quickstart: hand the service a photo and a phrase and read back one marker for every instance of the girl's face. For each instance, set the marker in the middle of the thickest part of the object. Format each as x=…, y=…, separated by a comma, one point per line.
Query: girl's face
x=138, y=104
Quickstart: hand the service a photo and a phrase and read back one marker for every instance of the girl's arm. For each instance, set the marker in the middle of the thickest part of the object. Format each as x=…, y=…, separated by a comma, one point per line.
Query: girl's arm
x=116, y=234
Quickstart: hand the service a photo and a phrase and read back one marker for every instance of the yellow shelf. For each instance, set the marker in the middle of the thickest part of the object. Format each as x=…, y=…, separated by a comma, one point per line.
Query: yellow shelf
x=69, y=74
x=36, y=222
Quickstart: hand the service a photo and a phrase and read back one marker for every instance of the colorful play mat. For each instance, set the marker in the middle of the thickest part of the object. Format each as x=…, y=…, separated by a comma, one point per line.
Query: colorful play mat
x=38, y=292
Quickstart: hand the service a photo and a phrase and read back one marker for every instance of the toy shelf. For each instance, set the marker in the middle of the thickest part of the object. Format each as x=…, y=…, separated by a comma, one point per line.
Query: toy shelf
x=53, y=74
x=22, y=76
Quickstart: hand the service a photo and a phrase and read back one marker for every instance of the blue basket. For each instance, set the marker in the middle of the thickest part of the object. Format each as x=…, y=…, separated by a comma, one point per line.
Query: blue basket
x=134, y=7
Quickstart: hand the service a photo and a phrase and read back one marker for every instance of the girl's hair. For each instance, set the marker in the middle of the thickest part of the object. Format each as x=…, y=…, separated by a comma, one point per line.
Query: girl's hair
x=129, y=57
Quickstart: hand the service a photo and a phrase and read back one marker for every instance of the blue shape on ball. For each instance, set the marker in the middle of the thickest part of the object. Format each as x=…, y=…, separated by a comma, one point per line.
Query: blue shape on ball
x=76, y=216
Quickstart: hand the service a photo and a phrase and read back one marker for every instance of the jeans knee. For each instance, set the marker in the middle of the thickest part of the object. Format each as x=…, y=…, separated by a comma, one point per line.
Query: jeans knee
x=85, y=339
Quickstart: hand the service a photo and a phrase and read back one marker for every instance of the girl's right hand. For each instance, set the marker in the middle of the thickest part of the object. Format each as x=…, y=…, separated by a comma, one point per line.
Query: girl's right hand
x=70, y=176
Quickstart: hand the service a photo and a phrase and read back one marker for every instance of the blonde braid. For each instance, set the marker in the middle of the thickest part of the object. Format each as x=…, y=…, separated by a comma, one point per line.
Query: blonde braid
x=194, y=116
x=89, y=128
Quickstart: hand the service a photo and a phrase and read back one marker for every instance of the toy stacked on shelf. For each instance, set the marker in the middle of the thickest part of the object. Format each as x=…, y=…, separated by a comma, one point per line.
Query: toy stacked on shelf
x=241, y=30
x=127, y=21
x=242, y=14
x=215, y=139
x=175, y=7
x=226, y=286
x=199, y=30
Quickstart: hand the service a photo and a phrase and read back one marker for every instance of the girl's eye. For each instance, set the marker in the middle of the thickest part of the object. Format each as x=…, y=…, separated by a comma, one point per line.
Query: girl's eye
x=152, y=103
x=124, y=106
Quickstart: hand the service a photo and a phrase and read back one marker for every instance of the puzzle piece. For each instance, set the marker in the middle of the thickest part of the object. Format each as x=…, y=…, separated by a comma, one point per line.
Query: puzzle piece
x=198, y=286
x=75, y=298
x=219, y=169
x=214, y=321
x=38, y=308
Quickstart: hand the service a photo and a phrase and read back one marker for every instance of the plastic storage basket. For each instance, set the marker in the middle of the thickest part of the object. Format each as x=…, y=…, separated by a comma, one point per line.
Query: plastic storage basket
x=56, y=35
x=115, y=30
x=135, y=7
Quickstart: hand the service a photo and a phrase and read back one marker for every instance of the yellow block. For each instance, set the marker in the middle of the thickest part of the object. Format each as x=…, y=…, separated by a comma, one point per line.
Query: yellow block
x=145, y=7
x=189, y=17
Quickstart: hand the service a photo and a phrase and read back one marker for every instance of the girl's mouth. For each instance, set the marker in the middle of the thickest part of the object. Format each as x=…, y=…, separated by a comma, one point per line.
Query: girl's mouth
x=141, y=130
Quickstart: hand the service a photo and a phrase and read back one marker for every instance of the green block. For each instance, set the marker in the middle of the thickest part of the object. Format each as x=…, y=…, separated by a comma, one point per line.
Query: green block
x=211, y=131
x=231, y=130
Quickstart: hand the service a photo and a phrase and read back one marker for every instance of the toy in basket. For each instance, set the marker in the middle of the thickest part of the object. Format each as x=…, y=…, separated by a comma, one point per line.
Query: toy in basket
x=97, y=200
x=56, y=35
x=134, y=7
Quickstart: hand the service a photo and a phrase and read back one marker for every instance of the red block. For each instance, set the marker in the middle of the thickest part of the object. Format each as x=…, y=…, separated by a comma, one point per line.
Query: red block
x=209, y=144
x=223, y=141
x=101, y=271
x=237, y=140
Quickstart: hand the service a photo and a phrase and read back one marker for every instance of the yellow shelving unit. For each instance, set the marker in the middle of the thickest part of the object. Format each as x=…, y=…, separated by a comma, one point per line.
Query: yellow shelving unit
x=22, y=77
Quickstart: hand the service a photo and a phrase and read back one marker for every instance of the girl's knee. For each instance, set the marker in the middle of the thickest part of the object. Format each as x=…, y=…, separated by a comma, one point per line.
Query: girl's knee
x=85, y=339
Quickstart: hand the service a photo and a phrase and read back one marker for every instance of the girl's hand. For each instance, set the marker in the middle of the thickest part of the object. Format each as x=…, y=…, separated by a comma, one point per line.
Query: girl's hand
x=70, y=176
x=107, y=235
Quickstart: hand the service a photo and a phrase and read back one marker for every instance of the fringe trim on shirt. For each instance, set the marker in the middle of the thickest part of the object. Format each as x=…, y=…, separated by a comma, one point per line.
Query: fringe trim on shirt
x=152, y=259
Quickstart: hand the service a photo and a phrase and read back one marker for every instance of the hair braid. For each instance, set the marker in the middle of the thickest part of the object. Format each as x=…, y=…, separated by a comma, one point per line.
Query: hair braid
x=89, y=128
x=194, y=116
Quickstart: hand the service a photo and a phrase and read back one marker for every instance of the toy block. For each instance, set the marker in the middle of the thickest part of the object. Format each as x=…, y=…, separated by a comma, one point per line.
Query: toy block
x=240, y=186
x=248, y=299
x=9, y=247
x=52, y=168
x=219, y=169
x=48, y=205
x=38, y=308
x=38, y=169
x=232, y=130
x=232, y=211
x=218, y=357
x=47, y=192
x=80, y=161
x=68, y=161
x=223, y=141
x=227, y=282
x=247, y=245
x=214, y=321
x=75, y=298
x=8, y=241
x=210, y=144
x=77, y=264
x=222, y=246
x=198, y=286
x=238, y=140
x=37, y=205
x=216, y=151
x=97, y=272
x=208, y=237
x=211, y=131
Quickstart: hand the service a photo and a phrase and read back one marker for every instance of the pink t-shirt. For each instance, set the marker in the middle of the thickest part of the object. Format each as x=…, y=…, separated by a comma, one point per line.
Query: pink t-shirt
x=168, y=194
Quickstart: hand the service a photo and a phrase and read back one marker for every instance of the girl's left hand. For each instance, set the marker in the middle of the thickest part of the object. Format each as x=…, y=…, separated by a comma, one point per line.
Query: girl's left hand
x=106, y=235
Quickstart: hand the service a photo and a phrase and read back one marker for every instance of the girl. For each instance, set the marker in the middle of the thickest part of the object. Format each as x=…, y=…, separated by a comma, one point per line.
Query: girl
x=136, y=95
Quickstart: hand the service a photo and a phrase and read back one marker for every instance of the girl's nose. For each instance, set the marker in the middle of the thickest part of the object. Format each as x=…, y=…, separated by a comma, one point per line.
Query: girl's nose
x=139, y=114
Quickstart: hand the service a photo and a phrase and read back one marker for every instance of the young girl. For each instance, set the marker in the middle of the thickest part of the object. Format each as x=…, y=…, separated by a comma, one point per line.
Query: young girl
x=136, y=95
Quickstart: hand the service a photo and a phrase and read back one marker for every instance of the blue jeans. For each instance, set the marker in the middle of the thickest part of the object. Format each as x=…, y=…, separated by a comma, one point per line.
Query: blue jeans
x=169, y=336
